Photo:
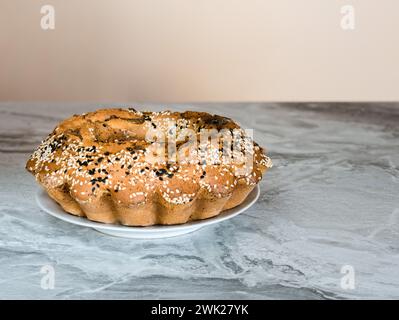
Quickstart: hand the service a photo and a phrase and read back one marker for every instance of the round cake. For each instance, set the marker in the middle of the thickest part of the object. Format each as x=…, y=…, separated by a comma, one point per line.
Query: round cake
x=145, y=168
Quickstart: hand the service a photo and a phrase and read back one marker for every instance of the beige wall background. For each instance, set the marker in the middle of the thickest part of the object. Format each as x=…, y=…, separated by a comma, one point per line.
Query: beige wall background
x=199, y=50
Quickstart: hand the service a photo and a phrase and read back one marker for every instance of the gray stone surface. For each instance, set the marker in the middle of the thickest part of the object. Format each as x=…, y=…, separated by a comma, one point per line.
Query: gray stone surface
x=330, y=200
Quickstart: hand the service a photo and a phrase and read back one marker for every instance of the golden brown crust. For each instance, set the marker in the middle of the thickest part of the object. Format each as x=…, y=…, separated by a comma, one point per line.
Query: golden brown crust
x=96, y=165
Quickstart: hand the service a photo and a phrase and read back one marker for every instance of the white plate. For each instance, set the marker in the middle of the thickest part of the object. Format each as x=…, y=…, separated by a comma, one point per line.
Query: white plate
x=159, y=231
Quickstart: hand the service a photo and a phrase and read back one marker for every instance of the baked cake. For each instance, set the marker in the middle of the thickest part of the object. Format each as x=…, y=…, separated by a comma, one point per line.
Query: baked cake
x=107, y=166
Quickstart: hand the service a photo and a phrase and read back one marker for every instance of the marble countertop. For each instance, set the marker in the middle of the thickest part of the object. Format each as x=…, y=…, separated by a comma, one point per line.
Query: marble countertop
x=326, y=225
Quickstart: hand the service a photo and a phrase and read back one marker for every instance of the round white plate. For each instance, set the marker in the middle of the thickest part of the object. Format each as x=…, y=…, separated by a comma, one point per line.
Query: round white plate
x=159, y=231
